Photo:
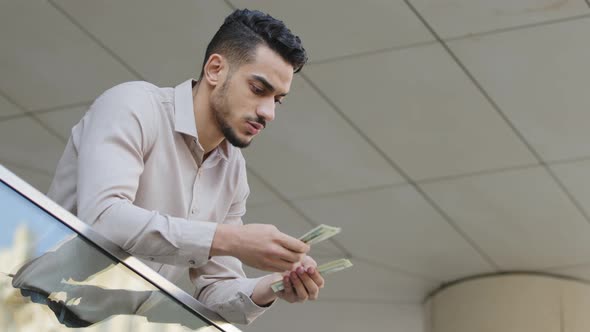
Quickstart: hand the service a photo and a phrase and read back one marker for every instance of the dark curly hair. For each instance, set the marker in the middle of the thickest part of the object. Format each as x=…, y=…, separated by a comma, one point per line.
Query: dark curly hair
x=242, y=32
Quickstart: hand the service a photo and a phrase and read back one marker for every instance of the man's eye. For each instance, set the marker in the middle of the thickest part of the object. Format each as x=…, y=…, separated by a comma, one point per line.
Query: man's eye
x=257, y=90
x=278, y=101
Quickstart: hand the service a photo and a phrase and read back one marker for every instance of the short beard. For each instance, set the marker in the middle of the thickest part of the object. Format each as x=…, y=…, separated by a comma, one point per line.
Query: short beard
x=232, y=137
x=219, y=107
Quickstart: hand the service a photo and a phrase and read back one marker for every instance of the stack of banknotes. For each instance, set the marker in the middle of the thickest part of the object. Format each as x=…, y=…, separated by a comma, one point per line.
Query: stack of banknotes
x=316, y=235
x=319, y=234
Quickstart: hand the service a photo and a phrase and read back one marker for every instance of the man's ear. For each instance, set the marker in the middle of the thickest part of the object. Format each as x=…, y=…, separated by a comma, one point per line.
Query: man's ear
x=214, y=69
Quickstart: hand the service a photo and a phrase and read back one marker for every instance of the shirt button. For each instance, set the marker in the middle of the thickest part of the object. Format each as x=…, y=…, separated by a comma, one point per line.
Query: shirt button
x=151, y=259
x=193, y=211
x=191, y=262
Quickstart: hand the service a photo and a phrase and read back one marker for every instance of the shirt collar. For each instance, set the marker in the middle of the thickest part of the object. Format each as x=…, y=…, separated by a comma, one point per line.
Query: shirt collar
x=184, y=116
x=224, y=149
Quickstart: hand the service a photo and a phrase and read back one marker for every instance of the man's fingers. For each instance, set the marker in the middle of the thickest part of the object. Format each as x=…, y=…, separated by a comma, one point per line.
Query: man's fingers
x=308, y=262
x=293, y=244
x=298, y=286
x=310, y=286
x=279, y=265
x=288, y=286
x=316, y=277
x=290, y=256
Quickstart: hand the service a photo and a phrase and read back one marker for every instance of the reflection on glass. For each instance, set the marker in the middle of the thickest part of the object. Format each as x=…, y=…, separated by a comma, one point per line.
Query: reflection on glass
x=53, y=280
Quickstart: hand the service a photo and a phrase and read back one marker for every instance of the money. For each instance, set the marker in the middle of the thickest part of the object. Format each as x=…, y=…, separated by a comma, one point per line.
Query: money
x=319, y=234
x=327, y=268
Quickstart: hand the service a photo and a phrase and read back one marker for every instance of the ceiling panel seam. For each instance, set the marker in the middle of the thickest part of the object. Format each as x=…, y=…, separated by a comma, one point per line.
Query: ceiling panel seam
x=569, y=160
x=477, y=173
x=517, y=28
x=372, y=52
x=30, y=116
x=26, y=168
x=230, y=5
x=13, y=116
x=346, y=192
x=14, y=103
x=62, y=107
x=53, y=132
x=44, y=111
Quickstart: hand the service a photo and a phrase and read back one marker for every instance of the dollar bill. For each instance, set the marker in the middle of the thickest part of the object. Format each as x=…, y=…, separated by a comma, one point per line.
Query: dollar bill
x=319, y=234
x=324, y=269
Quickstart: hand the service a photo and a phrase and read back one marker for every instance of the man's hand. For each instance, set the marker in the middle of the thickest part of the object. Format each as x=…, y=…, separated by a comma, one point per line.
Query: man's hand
x=260, y=246
x=301, y=284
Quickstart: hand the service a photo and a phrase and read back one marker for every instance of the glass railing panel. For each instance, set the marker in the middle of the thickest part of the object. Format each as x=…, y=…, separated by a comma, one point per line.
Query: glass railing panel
x=55, y=278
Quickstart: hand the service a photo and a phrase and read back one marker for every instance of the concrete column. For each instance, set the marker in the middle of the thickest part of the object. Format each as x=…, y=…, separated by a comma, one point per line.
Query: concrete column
x=510, y=303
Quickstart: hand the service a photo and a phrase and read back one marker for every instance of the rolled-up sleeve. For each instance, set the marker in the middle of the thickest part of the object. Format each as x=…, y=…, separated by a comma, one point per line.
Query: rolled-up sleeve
x=116, y=134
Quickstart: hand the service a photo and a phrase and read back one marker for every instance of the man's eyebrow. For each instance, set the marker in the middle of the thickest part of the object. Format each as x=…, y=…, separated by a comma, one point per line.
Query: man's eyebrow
x=267, y=84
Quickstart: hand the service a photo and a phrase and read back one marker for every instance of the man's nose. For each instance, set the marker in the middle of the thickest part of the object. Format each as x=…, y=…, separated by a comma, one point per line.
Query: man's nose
x=266, y=111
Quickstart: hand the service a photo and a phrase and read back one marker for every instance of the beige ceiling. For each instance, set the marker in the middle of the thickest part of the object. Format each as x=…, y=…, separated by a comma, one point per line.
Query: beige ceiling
x=448, y=138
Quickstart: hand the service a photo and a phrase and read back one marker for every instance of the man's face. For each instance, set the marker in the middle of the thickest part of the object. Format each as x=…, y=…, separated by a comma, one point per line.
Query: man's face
x=245, y=102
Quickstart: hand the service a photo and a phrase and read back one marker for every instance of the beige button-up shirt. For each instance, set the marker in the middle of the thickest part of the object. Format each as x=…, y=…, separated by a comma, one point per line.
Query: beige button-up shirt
x=133, y=169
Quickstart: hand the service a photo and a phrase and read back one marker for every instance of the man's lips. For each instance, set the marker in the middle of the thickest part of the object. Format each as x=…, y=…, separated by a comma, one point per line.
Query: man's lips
x=254, y=127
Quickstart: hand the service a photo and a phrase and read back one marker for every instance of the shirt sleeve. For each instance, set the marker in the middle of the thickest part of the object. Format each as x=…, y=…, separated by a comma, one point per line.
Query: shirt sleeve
x=221, y=284
x=116, y=136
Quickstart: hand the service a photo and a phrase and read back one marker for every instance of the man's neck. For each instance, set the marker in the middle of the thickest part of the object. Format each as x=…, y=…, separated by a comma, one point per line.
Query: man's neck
x=208, y=133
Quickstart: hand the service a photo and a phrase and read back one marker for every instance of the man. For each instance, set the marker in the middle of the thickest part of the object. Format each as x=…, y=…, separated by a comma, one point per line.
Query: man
x=159, y=171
